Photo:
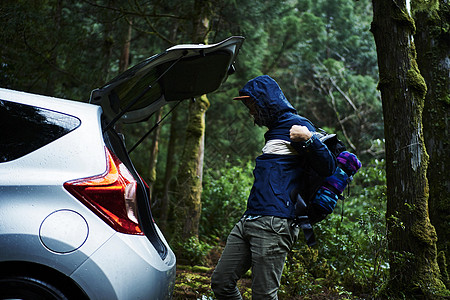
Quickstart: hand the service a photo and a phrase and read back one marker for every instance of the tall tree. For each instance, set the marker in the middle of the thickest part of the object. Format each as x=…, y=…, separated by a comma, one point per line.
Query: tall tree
x=124, y=60
x=169, y=171
x=411, y=237
x=154, y=150
x=190, y=172
x=432, y=41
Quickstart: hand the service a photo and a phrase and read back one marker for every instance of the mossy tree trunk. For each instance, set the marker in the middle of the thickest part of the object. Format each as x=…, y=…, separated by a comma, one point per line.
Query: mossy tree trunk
x=432, y=41
x=412, y=239
x=187, y=211
x=189, y=191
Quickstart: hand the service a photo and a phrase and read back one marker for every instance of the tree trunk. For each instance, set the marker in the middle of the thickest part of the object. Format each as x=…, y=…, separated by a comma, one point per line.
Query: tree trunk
x=154, y=153
x=53, y=54
x=170, y=159
x=433, y=52
x=124, y=60
x=170, y=165
x=411, y=237
x=190, y=172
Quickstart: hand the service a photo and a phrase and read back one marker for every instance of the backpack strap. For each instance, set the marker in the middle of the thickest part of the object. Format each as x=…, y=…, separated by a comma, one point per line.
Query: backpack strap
x=301, y=218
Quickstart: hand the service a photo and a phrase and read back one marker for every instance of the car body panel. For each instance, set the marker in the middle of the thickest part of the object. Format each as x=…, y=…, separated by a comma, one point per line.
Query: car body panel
x=124, y=271
x=21, y=241
x=181, y=72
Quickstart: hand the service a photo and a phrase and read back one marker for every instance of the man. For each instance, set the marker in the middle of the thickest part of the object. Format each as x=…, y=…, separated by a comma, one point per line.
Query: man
x=264, y=235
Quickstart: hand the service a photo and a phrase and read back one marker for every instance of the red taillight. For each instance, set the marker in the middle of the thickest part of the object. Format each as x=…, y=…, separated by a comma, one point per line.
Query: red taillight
x=112, y=195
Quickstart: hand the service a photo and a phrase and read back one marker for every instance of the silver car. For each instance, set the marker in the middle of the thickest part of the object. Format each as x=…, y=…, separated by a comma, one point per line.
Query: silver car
x=75, y=218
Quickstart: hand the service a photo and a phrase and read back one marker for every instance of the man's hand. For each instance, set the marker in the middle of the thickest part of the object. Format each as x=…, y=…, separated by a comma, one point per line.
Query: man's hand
x=299, y=133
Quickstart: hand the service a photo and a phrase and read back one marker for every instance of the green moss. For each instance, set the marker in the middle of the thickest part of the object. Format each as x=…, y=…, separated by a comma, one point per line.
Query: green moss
x=430, y=6
x=184, y=267
x=417, y=82
x=442, y=262
x=425, y=286
x=446, y=99
x=201, y=269
x=403, y=18
x=191, y=285
x=424, y=233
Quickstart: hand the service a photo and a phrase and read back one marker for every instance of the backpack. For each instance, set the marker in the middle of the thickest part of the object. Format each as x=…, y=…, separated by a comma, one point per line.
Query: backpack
x=323, y=201
x=317, y=199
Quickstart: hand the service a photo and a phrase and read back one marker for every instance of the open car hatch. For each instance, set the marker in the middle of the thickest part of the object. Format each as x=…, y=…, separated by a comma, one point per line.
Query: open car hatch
x=181, y=72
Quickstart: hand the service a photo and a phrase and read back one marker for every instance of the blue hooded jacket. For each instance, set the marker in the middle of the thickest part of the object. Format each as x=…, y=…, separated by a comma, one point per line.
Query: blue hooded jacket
x=276, y=175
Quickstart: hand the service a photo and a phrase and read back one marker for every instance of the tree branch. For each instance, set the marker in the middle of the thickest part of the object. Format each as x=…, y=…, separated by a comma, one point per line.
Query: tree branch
x=130, y=12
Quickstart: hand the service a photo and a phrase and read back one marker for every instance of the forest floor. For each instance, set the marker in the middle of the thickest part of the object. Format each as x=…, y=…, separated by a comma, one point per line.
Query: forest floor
x=194, y=283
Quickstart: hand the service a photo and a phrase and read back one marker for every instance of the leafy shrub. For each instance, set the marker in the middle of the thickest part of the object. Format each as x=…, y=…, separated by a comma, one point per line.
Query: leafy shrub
x=224, y=199
x=193, y=251
x=305, y=273
x=367, y=190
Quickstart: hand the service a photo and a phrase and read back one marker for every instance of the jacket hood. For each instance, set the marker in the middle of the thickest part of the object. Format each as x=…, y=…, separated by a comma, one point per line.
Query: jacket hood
x=270, y=100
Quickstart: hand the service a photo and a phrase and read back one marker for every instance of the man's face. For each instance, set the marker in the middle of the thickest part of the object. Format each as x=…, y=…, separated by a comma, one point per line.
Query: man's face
x=251, y=105
x=253, y=110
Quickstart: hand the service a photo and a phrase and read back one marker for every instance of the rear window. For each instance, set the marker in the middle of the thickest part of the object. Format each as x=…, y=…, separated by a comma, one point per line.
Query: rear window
x=26, y=128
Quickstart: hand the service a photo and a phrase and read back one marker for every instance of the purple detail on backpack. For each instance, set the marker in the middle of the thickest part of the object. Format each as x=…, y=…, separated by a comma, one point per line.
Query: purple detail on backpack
x=325, y=199
x=349, y=162
x=348, y=166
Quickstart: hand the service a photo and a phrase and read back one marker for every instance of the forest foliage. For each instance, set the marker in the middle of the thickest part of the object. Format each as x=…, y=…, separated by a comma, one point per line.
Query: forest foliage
x=321, y=53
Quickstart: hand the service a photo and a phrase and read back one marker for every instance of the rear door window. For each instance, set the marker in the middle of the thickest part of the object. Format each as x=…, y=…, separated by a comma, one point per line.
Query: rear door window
x=25, y=128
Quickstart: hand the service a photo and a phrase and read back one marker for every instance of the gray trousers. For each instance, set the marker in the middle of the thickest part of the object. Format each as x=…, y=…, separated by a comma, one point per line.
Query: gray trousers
x=260, y=244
